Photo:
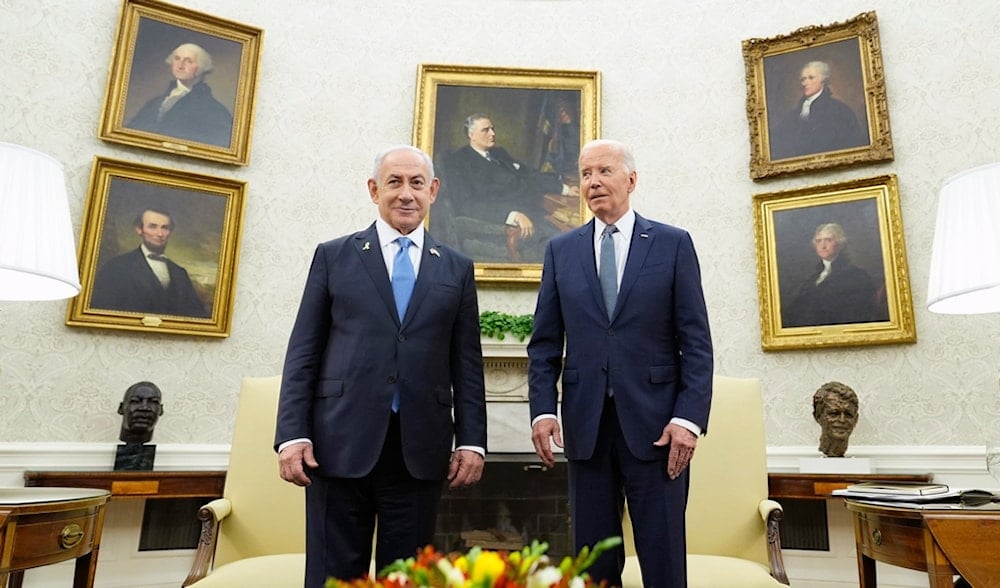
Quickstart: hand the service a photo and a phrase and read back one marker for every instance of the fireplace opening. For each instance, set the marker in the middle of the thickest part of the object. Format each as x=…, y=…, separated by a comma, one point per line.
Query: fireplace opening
x=518, y=500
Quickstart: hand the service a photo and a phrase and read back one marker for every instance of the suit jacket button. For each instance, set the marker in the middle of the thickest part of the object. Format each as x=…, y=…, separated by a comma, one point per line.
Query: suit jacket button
x=400, y=338
x=391, y=379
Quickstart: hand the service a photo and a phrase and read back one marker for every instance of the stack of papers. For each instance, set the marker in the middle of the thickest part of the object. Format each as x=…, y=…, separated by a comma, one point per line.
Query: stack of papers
x=898, y=489
x=918, y=495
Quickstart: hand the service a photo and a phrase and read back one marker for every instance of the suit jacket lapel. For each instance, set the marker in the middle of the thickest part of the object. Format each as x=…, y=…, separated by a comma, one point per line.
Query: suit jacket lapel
x=642, y=241
x=370, y=251
x=588, y=263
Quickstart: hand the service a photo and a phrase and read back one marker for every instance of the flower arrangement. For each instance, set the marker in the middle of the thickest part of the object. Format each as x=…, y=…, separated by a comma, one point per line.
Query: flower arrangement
x=480, y=568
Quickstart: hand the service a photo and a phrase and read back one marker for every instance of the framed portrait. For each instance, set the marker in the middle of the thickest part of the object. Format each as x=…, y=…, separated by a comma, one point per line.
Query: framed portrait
x=816, y=99
x=158, y=250
x=831, y=266
x=182, y=82
x=505, y=143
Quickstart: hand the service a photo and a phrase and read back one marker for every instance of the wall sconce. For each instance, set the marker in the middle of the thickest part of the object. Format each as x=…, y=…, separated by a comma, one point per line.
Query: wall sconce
x=37, y=250
x=965, y=258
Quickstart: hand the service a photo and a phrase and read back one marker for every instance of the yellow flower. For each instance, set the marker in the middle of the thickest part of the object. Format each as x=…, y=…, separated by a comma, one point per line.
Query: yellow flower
x=488, y=566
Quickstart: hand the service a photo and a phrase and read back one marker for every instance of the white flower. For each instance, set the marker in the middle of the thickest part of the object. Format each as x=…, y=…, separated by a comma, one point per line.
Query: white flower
x=545, y=577
x=577, y=582
x=453, y=577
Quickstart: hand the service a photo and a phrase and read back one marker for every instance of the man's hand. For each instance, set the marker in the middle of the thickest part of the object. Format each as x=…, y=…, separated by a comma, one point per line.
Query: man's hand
x=682, y=443
x=524, y=223
x=544, y=431
x=466, y=468
x=292, y=463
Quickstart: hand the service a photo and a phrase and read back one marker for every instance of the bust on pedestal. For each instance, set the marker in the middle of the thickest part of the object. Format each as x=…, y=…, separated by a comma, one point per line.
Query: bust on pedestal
x=140, y=409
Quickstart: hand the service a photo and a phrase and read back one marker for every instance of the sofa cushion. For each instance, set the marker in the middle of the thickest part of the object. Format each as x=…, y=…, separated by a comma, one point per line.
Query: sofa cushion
x=710, y=571
x=287, y=570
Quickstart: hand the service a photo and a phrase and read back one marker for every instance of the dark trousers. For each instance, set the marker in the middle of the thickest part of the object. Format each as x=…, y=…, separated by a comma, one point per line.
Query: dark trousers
x=598, y=488
x=341, y=517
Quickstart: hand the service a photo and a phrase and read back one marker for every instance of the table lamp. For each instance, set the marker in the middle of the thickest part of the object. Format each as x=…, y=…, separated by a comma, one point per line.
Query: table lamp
x=965, y=258
x=37, y=251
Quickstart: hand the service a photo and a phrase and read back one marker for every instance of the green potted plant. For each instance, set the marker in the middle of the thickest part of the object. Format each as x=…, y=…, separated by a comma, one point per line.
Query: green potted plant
x=498, y=325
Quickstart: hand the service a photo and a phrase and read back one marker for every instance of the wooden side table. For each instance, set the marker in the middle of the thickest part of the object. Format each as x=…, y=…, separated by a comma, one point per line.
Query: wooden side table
x=942, y=543
x=821, y=486
x=42, y=526
x=132, y=484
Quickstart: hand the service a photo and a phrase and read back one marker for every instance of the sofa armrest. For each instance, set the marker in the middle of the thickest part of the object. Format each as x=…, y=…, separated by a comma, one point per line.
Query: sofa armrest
x=772, y=512
x=211, y=516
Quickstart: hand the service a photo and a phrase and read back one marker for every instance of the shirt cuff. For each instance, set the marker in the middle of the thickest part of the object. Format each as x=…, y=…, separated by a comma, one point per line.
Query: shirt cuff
x=479, y=450
x=293, y=442
x=542, y=417
x=687, y=425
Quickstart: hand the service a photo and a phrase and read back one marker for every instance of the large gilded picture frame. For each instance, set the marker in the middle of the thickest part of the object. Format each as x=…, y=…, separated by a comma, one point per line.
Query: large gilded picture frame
x=831, y=266
x=816, y=99
x=158, y=250
x=505, y=143
x=182, y=82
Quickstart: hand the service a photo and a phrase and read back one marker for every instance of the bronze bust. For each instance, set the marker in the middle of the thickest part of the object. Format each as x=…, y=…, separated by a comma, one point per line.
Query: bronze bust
x=835, y=408
x=140, y=409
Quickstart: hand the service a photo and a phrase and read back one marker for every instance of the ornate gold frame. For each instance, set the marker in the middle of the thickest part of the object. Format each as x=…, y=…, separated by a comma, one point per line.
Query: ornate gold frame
x=208, y=215
x=852, y=50
x=784, y=224
x=147, y=32
x=490, y=90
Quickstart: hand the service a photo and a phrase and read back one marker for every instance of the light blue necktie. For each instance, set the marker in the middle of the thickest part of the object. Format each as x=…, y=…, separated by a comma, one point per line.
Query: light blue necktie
x=403, y=278
x=609, y=269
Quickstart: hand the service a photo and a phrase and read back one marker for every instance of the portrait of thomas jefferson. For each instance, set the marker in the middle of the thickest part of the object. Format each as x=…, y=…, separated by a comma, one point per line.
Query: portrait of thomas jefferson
x=830, y=267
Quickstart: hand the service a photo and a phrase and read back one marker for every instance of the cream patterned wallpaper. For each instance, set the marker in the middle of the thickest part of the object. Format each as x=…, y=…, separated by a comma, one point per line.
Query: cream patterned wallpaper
x=337, y=84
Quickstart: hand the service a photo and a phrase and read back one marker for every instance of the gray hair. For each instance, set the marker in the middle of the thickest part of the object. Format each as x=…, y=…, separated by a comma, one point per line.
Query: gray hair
x=203, y=57
x=623, y=151
x=821, y=67
x=385, y=153
x=834, y=229
x=470, y=121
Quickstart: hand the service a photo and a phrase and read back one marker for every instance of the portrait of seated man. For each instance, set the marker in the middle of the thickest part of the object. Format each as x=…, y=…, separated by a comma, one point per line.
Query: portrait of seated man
x=818, y=122
x=835, y=292
x=488, y=195
x=186, y=109
x=144, y=279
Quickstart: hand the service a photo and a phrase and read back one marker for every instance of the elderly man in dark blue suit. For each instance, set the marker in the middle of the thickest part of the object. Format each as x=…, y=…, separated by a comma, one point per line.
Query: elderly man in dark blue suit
x=622, y=296
x=383, y=377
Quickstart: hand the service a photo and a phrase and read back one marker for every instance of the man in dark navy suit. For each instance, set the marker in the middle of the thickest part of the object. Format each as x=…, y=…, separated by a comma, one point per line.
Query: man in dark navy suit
x=382, y=395
x=622, y=296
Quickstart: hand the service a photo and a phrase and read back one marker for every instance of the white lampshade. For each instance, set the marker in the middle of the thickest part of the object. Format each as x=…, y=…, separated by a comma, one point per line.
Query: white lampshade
x=965, y=259
x=37, y=251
